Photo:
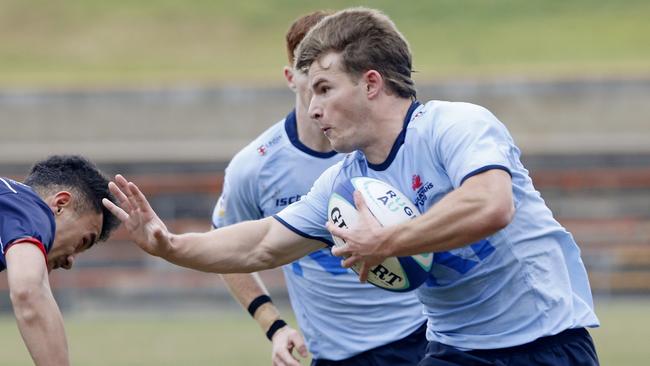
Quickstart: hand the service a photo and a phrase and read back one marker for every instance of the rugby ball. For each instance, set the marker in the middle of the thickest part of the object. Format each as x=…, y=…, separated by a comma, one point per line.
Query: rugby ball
x=390, y=207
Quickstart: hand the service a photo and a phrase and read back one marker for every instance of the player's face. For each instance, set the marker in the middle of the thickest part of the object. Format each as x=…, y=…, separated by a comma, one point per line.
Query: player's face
x=339, y=104
x=301, y=83
x=75, y=232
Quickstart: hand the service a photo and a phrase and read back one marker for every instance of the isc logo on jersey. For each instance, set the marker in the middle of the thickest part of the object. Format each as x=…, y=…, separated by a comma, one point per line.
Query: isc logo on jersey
x=390, y=207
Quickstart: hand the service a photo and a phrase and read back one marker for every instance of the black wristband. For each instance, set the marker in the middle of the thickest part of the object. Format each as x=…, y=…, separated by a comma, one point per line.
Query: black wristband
x=257, y=302
x=274, y=328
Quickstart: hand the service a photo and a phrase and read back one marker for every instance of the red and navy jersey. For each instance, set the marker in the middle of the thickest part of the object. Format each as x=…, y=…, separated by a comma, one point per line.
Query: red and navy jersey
x=24, y=216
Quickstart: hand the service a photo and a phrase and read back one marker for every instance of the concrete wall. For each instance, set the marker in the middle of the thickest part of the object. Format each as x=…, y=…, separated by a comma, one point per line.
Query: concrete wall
x=211, y=124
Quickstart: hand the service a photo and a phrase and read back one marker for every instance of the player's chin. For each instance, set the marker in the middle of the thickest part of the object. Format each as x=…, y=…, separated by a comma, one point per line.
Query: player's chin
x=340, y=146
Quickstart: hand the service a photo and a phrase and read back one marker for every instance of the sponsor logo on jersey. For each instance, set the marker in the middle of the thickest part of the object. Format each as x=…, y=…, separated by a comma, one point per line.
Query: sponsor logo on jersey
x=286, y=201
x=421, y=188
x=262, y=149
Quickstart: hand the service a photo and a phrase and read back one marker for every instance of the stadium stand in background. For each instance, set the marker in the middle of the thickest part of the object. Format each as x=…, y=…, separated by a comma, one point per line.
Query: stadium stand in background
x=588, y=152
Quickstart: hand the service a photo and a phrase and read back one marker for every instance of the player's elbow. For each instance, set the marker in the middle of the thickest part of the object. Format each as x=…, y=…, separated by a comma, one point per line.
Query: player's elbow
x=25, y=299
x=498, y=214
x=266, y=257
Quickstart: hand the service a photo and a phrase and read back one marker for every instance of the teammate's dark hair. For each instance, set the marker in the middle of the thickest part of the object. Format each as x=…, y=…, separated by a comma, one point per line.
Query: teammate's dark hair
x=73, y=172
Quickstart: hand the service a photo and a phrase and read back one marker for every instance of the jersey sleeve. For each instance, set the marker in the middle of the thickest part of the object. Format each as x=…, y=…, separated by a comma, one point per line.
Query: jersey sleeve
x=308, y=216
x=239, y=198
x=23, y=218
x=472, y=141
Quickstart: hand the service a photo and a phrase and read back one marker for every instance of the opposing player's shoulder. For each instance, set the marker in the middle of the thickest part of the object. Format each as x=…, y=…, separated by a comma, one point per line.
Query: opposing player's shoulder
x=24, y=214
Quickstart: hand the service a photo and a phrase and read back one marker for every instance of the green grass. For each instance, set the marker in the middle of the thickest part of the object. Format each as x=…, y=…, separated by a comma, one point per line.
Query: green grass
x=622, y=339
x=227, y=339
x=142, y=42
x=231, y=338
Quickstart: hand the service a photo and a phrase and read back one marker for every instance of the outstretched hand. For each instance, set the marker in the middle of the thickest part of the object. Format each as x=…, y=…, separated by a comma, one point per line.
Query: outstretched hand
x=141, y=222
x=365, y=244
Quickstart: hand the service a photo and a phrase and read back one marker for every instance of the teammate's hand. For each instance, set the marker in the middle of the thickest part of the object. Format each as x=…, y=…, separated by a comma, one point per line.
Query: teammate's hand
x=366, y=245
x=285, y=340
x=143, y=225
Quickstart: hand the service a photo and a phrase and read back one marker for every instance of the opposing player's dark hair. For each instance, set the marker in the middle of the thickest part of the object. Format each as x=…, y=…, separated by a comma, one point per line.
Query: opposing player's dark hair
x=79, y=174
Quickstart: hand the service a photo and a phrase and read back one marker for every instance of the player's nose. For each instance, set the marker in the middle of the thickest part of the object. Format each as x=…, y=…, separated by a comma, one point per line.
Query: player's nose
x=315, y=111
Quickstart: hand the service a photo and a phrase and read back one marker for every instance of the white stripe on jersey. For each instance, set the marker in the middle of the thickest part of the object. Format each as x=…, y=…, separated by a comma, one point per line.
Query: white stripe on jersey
x=8, y=185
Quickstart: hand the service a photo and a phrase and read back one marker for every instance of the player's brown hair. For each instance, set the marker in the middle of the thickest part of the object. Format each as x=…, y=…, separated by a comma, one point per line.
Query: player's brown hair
x=366, y=39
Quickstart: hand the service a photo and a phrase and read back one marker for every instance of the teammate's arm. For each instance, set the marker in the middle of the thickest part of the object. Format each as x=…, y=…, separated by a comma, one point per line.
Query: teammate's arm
x=481, y=206
x=249, y=290
x=244, y=247
x=37, y=314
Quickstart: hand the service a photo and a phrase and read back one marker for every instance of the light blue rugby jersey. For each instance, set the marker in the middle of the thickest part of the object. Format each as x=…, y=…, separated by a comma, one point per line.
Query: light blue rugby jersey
x=524, y=282
x=338, y=316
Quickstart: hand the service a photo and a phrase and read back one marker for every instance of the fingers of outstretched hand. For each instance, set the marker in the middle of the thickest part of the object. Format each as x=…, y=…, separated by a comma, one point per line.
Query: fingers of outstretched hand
x=139, y=197
x=122, y=199
x=115, y=210
x=121, y=182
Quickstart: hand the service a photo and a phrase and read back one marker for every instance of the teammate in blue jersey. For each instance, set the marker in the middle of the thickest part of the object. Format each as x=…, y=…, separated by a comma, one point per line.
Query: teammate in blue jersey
x=342, y=320
x=507, y=286
x=44, y=223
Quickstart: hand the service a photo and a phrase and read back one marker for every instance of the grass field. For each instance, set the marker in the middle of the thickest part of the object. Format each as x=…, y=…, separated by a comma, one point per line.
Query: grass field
x=231, y=339
x=141, y=42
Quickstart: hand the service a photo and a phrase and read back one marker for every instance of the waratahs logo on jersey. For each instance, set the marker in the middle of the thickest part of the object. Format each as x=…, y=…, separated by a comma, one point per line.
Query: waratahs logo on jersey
x=421, y=188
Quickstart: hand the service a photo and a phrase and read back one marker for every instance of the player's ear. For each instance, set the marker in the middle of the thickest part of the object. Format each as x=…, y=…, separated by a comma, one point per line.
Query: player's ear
x=374, y=83
x=59, y=201
x=288, y=75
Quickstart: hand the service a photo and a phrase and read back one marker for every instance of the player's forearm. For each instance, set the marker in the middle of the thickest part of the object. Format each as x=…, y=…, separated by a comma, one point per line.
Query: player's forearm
x=232, y=249
x=244, y=287
x=41, y=326
x=478, y=209
x=250, y=292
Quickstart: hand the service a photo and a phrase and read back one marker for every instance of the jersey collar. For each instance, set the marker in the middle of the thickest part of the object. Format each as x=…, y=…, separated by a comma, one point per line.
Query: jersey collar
x=291, y=127
x=399, y=141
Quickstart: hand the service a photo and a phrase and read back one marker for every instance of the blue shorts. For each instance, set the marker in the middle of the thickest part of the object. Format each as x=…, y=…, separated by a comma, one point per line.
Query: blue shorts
x=407, y=351
x=572, y=347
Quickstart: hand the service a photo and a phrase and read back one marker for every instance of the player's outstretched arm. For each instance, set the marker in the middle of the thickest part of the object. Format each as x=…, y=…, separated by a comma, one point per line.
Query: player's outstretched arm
x=245, y=247
x=251, y=293
x=37, y=314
